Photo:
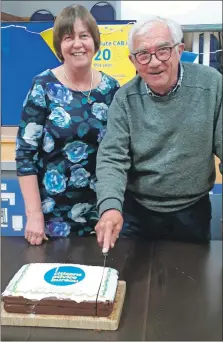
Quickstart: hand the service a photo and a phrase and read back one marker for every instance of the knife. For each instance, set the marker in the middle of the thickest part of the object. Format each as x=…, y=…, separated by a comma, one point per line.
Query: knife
x=104, y=265
x=105, y=258
x=105, y=254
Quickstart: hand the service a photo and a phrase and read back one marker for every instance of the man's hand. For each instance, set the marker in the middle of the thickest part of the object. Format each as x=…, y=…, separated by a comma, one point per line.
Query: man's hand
x=108, y=229
x=34, y=231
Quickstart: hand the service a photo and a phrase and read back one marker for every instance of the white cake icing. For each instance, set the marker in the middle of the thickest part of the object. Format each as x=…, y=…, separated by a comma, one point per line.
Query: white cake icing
x=31, y=282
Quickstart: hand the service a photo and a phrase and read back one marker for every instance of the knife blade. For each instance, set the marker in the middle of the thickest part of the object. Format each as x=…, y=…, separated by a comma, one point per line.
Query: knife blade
x=104, y=265
x=105, y=258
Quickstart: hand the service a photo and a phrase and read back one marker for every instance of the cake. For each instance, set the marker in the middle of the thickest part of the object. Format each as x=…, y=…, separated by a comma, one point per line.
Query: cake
x=61, y=289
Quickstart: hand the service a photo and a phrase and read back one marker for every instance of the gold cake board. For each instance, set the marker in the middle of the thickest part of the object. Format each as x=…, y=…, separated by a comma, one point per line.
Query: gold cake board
x=73, y=322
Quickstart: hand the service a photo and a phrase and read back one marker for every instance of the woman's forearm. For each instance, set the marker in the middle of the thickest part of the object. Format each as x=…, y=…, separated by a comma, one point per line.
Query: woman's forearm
x=30, y=191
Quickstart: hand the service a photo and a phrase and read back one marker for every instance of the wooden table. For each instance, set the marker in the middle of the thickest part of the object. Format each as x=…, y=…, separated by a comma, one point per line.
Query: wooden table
x=174, y=290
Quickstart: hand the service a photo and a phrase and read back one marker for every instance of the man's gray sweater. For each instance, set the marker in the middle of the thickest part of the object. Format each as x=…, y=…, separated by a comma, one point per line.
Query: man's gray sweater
x=162, y=148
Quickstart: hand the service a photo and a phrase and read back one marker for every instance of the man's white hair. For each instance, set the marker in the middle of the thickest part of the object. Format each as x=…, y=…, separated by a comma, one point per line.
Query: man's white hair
x=142, y=26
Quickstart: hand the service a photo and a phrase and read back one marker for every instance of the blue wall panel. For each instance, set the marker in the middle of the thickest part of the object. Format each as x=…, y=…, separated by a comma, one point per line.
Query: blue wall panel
x=24, y=55
x=13, y=217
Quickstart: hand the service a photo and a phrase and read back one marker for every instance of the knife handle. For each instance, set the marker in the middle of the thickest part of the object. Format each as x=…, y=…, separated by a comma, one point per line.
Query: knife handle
x=105, y=251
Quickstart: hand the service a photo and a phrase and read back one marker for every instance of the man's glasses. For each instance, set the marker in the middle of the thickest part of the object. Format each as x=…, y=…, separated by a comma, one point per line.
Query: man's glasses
x=162, y=54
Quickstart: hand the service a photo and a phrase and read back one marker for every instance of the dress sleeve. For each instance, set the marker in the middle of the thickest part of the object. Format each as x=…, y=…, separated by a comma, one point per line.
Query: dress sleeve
x=30, y=130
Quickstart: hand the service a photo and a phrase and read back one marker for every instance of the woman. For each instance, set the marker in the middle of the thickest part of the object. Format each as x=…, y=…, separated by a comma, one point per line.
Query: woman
x=63, y=121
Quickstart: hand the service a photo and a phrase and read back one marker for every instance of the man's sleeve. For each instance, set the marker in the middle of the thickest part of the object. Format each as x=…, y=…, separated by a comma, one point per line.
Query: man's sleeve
x=113, y=159
x=218, y=139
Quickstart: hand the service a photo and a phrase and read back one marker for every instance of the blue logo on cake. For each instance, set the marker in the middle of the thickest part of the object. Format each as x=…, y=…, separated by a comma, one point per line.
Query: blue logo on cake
x=64, y=275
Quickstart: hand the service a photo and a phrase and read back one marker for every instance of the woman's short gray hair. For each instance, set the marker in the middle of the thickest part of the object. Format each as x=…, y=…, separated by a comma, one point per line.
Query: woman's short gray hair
x=142, y=26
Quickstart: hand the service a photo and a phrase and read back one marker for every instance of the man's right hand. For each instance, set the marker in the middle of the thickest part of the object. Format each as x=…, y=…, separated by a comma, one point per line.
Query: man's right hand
x=108, y=229
x=34, y=231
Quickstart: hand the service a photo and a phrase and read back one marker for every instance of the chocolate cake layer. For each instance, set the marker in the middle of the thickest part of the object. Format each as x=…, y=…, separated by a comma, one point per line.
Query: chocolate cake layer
x=99, y=311
x=49, y=310
x=50, y=301
x=55, y=306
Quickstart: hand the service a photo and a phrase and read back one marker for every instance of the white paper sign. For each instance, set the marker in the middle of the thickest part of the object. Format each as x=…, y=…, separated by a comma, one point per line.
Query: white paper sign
x=17, y=223
x=3, y=186
x=4, y=217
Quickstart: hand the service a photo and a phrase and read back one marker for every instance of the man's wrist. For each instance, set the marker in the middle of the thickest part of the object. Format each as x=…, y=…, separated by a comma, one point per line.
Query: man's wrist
x=110, y=204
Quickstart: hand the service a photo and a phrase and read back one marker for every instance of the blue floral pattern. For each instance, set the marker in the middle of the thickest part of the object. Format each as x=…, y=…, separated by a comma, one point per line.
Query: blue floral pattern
x=57, y=140
x=76, y=151
x=37, y=95
x=101, y=134
x=57, y=228
x=54, y=182
x=48, y=205
x=79, y=176
x=100, y=111
x=59, y=94
x=48, y=143
x=79, y=211
x=32, y=133
x=60, y=117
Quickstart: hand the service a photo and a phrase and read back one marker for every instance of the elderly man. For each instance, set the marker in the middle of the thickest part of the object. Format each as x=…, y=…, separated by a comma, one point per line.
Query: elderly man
x=164, y=128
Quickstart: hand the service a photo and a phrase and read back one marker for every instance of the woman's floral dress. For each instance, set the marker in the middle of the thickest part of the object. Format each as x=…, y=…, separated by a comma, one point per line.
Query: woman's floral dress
x=57, y=140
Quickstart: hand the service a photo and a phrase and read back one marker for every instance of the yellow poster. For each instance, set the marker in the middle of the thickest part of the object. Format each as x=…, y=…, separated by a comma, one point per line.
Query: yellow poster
x=47, y=35
x=112, y=58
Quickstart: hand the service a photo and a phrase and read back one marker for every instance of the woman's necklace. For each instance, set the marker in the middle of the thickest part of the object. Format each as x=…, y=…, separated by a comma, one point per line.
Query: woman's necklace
x=89, y=93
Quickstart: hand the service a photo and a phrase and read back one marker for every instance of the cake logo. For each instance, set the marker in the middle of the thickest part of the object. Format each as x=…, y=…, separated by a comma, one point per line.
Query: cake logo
x=64, y=275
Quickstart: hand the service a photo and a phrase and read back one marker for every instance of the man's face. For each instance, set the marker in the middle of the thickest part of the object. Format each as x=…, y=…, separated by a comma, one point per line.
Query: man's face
x=160, y=76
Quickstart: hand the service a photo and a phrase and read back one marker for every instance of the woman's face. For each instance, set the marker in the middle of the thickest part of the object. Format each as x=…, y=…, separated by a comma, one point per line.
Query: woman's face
x=78, y=49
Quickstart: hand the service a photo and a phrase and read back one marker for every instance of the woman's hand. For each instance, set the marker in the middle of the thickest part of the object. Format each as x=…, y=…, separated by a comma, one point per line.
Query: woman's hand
x=34, y=231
